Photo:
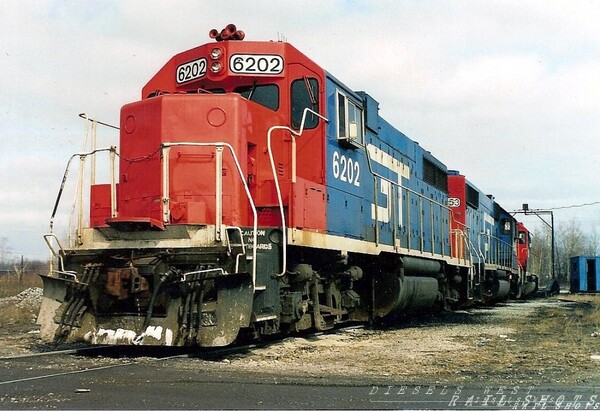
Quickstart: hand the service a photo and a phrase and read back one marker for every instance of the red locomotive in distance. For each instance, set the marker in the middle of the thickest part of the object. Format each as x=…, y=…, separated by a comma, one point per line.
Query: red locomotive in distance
x=256, y=194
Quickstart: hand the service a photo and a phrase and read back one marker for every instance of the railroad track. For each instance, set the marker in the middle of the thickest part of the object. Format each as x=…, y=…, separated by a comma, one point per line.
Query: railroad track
x=162, y=352
x=130, y=355
x=72, y=351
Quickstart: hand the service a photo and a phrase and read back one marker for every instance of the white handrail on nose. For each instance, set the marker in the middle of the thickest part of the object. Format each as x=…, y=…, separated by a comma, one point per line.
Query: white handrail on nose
x=219, y=147
x=277, y=188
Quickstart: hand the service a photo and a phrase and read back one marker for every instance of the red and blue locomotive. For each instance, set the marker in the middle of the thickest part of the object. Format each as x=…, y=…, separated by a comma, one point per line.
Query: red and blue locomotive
x=256, y=194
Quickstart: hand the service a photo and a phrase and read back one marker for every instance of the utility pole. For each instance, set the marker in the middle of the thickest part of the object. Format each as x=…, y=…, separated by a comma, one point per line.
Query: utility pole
x=539, y=213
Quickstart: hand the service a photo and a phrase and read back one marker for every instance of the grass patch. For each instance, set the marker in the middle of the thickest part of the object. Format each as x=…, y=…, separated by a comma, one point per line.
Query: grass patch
x=10, y=284
x=589, y=309
x=552, y=345
x=12, y=315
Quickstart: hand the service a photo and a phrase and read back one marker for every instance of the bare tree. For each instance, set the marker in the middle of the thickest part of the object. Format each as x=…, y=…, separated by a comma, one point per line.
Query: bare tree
x=19, y=268
x=540, y=260
x=571, y=241
x=593, y=237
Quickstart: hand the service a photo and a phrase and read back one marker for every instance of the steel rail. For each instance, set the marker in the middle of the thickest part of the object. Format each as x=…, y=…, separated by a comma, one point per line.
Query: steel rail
x=60, y=374
x=59, y=352
x=202, y=354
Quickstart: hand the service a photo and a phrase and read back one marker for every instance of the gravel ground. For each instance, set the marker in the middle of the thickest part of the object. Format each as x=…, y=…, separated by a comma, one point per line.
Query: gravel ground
x=18, y=332
x=30, y=298
x=500, y=345
x=538, y=342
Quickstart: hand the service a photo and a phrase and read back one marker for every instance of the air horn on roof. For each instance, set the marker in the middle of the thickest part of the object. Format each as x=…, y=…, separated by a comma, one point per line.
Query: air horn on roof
x=228, y=33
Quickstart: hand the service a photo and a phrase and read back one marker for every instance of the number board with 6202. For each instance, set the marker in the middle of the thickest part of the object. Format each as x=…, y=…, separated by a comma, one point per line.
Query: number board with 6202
x=261, y=64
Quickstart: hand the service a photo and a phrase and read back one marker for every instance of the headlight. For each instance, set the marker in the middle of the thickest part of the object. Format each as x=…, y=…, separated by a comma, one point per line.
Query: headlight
x=216, y=53
x=216, y=66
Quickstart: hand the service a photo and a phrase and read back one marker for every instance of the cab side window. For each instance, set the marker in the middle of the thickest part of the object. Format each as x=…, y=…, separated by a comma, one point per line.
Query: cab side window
x=305, y=94
x=350, y=121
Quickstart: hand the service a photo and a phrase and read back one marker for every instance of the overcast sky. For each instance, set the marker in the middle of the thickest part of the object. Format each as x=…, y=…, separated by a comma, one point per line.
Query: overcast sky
x=507, y=92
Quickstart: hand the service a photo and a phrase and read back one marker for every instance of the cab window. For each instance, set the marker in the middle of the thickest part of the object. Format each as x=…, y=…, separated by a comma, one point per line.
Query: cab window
x=266, y=95
x=350, y=121
x=305, y=94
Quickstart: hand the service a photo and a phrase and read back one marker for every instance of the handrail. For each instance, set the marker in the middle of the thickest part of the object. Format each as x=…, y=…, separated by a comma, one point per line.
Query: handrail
x=472, y=268
x=500, y=247
x=420, y=196
x=184, y=277
x=461, y=239
x=229, y=248
x=468, y=251
x=276, y=180
x=85, y=117
x=218, y=145
x=53, y=251
x=82, y=157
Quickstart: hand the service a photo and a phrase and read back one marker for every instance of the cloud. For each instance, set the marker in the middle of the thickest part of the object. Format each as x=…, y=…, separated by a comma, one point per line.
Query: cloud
x=506, y=91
